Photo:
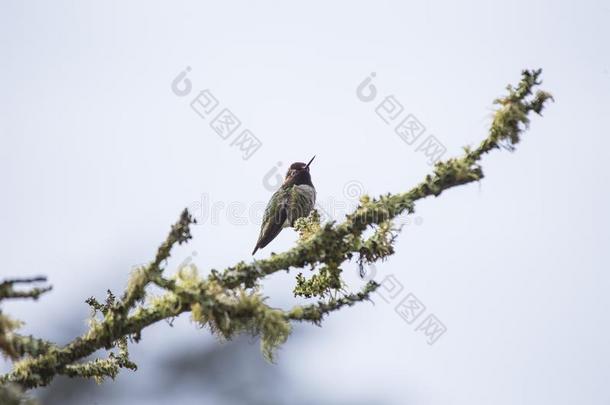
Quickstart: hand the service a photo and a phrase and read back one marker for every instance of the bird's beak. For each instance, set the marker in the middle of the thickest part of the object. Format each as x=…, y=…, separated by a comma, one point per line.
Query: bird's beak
x=307, y=167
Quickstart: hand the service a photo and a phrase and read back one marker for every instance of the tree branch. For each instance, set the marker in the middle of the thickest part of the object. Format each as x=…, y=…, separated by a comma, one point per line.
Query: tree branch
x=7, y=290
x=229, y=302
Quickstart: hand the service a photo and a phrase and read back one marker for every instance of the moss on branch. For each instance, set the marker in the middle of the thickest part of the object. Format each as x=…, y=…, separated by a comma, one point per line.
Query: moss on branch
x=229, y=302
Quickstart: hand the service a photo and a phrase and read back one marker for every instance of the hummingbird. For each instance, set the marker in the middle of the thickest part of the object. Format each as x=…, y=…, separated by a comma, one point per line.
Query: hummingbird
x=294, y=199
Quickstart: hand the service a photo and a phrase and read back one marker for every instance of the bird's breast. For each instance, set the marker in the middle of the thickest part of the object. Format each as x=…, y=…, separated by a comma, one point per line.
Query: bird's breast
x=307, y=191
x=302, y=201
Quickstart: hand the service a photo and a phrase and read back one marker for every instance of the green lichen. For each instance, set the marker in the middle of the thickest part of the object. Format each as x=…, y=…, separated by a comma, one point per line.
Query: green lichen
x=229, y=302
x=324, y=283
x=307, y=227
x=243, y=312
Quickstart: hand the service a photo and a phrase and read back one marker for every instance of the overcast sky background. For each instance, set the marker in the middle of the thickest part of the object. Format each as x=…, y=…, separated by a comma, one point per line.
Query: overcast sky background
x=98, y=157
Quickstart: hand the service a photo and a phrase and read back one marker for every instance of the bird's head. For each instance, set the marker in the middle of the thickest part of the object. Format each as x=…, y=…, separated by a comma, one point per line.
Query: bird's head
x=298, y=173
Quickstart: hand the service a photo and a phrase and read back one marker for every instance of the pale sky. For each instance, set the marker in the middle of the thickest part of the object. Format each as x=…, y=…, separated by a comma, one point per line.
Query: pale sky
x=98, y=156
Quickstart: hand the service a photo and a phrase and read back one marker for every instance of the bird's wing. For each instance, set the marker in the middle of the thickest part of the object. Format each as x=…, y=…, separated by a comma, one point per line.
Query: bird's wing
x=274, y=218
